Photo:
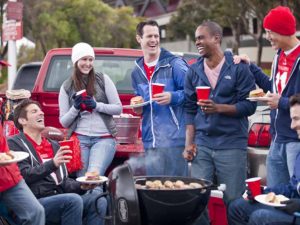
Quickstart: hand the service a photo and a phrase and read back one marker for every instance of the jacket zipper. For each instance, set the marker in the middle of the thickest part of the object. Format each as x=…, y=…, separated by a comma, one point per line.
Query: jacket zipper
x=150, y=93
x=174, y=117
x=150, y=99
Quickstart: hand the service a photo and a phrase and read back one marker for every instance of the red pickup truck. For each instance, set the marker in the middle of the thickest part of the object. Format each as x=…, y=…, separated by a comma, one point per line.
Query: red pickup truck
x=115, y=62
x=57, y=66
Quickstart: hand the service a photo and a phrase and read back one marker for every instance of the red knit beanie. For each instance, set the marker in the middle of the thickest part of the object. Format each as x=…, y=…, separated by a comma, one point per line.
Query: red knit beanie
x=280, y=20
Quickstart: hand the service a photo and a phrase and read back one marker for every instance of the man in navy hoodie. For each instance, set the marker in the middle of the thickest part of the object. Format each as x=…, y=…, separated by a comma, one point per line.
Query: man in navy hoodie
x=280, y=26
x=163, y=127
x=218, y=126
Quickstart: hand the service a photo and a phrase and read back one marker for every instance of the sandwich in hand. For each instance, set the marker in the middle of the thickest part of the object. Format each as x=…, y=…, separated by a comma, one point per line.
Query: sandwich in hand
x=136, y=100
x=5, y=156
x=256, y=93
x=92, y=176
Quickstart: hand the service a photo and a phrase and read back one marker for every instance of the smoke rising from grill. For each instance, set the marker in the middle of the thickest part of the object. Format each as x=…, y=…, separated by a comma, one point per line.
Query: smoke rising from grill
x=138, y=165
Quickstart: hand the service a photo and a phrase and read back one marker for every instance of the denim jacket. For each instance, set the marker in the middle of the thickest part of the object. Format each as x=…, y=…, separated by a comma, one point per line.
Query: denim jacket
x=162, y=125
x=220, y=131
x=280, y=118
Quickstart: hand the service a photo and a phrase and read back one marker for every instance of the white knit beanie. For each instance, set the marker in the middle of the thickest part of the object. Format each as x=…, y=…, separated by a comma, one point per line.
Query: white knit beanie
x=80, y=50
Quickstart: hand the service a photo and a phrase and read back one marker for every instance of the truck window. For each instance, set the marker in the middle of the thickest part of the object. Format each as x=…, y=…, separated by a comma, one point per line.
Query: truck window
x=26, y=76
x=118, y=68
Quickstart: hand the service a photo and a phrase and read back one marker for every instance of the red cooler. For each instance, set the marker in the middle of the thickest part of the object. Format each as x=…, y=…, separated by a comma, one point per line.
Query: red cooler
x=217, y=208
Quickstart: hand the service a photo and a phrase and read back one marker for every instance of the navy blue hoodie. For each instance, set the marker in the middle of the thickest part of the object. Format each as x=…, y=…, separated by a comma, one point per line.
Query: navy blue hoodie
x=280, y=118
x=220, y=131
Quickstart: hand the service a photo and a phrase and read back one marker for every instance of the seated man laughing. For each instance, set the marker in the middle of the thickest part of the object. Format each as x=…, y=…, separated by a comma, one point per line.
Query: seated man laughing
x=65, y=200
x=242, y=211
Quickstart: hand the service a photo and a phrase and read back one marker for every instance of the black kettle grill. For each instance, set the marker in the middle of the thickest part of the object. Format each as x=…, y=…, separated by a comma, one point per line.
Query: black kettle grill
x=131, y=206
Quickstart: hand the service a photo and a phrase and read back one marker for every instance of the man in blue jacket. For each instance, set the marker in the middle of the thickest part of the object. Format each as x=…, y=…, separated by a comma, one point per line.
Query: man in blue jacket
x=245, y=212
x=280, y=26
x=218, y=126
x=163, y=127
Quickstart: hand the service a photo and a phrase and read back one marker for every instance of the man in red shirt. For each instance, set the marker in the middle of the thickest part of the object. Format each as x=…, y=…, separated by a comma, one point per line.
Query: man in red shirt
x=66, y=201
x=280, y=26
x=15, y=194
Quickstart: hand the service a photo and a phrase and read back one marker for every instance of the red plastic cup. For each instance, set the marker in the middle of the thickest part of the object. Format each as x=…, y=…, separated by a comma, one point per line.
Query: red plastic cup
x=254, y=185
x=157, y=88
x=203, y=92
x=68, y=143
x=82, y=93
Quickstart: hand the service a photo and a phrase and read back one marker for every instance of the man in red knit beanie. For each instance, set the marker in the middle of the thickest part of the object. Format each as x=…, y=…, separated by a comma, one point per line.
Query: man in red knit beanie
x=280, y=20
x=280, y=26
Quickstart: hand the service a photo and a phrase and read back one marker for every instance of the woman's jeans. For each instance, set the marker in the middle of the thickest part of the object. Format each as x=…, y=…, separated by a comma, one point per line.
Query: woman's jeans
x=96, y=153
x=23, y=203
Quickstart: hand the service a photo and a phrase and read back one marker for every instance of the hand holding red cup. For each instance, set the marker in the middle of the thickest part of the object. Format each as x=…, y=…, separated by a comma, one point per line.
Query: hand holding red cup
x=68, y=143
x=254, y=185
x=83, y=94
x=203, y=92
x=157, y=88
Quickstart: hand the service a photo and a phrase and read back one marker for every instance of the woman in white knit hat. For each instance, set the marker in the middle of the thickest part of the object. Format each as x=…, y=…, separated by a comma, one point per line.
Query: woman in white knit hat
x=89, y=115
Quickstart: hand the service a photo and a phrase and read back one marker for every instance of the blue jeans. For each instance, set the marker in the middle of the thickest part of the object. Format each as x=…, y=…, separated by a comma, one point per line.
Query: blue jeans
x=71, y=208
x=280, y=162
x=165, y=161
x=227, y=166
x=26, y=208
x=96, y=153
x=90, y=216
x=242, y=212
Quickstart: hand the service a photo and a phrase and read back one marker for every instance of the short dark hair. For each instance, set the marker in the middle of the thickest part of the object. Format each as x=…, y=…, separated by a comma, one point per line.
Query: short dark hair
x=20, y=111
x=295, y=100
x=140, y=26
x=214, y=28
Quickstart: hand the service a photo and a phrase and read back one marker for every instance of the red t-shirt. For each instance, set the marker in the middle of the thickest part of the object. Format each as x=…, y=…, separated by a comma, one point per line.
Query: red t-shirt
x=45, y=153
x=285, y=66
x=149, y=71
x=44, y=149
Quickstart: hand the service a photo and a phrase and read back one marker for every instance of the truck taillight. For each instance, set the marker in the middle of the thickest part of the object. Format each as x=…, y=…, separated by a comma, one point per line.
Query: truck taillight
x=259, y=135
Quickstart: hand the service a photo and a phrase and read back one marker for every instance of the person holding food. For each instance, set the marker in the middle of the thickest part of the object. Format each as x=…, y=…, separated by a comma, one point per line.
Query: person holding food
x=12, y=187
x=280, y=26
x=243, y=211
x=217, y=127
x=65, y=200
x=163, y=131
x=90, y=114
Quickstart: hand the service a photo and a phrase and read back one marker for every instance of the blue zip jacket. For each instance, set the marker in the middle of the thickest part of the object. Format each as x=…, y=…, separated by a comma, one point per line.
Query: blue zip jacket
x=220, y=131
x=163, y=126
x=280, y=118
x=292, y=189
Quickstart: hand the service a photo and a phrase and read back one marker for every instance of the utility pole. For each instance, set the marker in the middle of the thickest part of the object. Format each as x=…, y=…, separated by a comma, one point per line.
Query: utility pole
x=13, y=31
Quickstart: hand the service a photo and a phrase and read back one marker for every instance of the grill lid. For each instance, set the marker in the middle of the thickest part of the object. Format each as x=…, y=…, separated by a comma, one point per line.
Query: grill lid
x=124, y=199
